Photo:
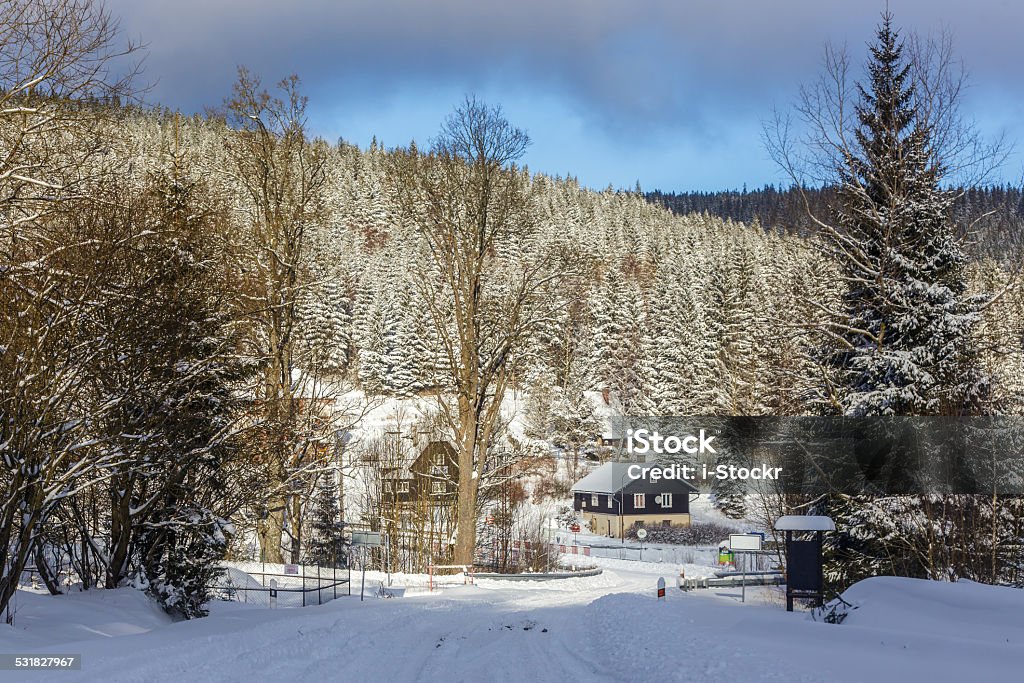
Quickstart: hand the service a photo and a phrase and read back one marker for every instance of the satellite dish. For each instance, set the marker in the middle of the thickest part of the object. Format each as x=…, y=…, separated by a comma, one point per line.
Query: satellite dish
x=641, y=534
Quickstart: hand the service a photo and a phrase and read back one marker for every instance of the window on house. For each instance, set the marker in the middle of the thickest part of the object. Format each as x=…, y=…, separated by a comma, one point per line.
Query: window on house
x=437, y=487
x=439, y=459
x=666, y=500
x=594, y=502
x=403, y=487
x=389, y=487
x=639, y=501
x=610, y=497
x=440, y=470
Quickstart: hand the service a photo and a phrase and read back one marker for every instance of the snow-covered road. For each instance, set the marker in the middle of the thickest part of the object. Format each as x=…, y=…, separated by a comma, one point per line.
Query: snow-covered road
x=604, y=628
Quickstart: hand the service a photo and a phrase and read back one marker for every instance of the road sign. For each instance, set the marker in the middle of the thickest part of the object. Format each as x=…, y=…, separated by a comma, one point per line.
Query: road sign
x=641, y=534
x=744, y=542
x=366, y=538
x=489, y=519
x=574, y=527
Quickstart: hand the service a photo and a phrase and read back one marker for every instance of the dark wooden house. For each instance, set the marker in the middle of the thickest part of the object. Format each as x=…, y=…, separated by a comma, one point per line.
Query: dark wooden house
x=433, y=477
x=612, y=501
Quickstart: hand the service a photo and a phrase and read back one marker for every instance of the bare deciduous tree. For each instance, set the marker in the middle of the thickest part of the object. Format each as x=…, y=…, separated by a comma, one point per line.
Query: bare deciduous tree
x=54, y=56
x=57, y=58
x=469, y=203
x=282, y=174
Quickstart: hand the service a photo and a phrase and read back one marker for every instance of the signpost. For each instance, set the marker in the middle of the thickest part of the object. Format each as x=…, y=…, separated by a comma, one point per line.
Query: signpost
x=364, y=540
x=370, y=538
x=641, y=533
x=744, y=544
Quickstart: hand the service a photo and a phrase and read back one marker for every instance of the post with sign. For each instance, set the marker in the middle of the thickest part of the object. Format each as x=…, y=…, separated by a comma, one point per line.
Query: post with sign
x=805, y=574
x=366, y=539
x=661, y=588
x=641, y=533
x=744, y=544
x=273, y=593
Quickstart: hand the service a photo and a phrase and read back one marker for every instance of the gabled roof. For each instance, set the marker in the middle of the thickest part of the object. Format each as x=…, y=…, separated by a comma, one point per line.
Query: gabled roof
x=612, y=477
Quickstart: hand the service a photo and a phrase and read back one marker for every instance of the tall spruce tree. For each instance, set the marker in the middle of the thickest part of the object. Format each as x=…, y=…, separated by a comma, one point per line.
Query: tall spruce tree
x=907, y=347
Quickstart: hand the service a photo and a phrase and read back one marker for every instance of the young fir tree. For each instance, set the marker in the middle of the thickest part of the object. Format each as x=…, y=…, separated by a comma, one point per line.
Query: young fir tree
x=327, y=548
x=179, y=409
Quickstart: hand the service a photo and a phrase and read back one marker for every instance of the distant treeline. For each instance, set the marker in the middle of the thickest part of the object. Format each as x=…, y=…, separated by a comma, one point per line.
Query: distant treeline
x=991, y=216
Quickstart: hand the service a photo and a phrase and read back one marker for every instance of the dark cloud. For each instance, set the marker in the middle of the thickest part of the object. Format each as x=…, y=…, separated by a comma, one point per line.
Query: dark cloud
x=638, y=69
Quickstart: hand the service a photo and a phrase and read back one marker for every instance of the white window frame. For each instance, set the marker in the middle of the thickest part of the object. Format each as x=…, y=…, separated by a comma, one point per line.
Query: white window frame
x=639, y=501
x=666, y=500
x=403, y=486
x=439, y=459
x=437, y=487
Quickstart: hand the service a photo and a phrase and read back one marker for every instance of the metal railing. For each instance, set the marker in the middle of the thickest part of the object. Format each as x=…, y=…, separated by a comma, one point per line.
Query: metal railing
x=274, y=585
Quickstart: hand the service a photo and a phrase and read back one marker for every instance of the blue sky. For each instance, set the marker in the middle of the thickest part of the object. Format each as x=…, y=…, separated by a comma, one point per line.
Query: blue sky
x=670, y=93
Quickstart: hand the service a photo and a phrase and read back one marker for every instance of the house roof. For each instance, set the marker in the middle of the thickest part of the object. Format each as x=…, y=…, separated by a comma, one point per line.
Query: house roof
x=612, y=477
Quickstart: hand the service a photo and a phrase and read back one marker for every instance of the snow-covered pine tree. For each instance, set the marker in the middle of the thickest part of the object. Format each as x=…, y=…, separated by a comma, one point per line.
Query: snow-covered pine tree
x=327, y=547
x=178, y=514
x=392, y=353
x=904, y=344
x=324, y=327
x=663, y=363
x=618, y=313
x=907, y=347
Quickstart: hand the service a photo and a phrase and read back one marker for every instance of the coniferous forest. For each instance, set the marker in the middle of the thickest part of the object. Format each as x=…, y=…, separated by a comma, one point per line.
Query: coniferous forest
x=198, y=311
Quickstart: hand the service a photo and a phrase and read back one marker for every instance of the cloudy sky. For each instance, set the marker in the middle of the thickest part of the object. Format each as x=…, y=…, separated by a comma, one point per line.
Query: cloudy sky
x=670, y=93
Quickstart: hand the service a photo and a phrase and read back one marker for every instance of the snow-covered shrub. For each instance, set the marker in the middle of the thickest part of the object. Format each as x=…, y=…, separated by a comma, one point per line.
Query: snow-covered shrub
x=833, y=612
x=701, y=533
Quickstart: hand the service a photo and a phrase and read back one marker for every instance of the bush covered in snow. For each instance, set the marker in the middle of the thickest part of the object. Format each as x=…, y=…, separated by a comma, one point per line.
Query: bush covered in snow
x=701, y=533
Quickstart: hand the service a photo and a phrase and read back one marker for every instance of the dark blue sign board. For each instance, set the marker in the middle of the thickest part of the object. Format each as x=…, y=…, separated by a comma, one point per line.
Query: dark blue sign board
x=805, y=566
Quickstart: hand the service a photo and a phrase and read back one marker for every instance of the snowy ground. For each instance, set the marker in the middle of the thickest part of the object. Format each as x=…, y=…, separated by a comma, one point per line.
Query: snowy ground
x=604, y=628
